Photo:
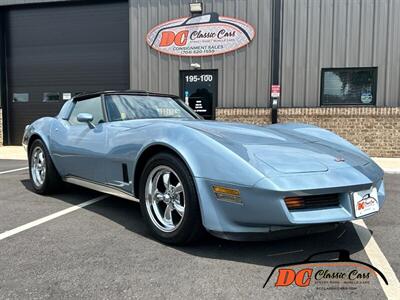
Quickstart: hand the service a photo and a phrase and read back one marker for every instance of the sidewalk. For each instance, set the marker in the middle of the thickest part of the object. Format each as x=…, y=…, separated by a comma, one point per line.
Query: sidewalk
x=13, y=152
x=390, y=165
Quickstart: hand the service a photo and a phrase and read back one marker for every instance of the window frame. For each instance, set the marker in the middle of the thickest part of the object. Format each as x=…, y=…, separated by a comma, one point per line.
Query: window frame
x=374, y=87
x=103, y=109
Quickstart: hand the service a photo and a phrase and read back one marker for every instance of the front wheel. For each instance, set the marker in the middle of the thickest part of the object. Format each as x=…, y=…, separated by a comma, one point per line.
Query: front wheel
x=168, y=200
x=43, y=174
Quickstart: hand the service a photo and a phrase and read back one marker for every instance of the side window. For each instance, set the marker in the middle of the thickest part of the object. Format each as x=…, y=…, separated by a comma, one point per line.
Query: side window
x=92, y=106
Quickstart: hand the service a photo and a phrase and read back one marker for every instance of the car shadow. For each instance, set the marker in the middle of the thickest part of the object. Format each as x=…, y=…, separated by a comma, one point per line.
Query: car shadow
x=269, y=253
x=69, y=193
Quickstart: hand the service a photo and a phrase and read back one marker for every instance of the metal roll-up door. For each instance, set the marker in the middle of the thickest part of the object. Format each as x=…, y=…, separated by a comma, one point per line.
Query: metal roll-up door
x=54, y=51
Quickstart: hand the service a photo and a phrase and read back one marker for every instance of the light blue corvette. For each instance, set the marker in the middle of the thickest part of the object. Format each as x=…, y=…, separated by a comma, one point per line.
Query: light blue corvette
x=237, y=181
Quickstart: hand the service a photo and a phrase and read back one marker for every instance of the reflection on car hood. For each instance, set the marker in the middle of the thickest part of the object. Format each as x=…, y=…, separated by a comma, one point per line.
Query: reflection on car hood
x=284, y=151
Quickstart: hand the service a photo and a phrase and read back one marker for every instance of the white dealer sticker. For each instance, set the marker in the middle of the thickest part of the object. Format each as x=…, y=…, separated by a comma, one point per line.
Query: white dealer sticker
x=365, y=202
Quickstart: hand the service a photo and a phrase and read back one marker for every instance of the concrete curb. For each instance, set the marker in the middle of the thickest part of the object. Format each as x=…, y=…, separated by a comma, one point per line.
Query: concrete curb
x=392, y=171
x=389, y=165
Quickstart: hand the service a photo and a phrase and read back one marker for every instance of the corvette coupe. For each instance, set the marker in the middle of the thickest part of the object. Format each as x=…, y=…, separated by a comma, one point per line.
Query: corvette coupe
x=236, y=181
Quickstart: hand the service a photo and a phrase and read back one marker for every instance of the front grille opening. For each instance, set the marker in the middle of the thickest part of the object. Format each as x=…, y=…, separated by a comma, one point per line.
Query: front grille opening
x=312, y=202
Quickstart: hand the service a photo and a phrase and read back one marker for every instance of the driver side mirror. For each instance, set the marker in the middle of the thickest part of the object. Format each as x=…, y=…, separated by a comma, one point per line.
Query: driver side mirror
x=86, y=118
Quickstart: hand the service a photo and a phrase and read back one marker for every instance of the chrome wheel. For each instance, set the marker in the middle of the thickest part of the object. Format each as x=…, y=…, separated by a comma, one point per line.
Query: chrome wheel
x=165, y=198
x=38, y=166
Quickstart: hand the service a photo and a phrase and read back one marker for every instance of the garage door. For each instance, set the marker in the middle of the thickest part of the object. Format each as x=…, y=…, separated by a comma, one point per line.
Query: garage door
x=61, y=50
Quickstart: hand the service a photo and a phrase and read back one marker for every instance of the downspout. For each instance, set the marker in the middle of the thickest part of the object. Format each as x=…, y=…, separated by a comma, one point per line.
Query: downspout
x=275, y=56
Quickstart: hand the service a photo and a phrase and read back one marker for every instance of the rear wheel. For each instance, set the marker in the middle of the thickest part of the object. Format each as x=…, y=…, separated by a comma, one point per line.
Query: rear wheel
x=43, y=174
x=168, y=200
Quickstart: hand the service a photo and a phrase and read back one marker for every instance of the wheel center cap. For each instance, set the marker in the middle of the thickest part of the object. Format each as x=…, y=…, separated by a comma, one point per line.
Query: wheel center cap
x=167, y=198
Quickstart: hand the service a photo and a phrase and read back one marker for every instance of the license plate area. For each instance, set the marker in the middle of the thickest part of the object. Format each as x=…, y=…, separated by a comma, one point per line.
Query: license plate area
x=365, y=202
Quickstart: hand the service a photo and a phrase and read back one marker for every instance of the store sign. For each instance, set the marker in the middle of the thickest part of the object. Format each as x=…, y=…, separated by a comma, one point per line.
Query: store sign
x=275, y=91
x=366, y=97
x=204, y=35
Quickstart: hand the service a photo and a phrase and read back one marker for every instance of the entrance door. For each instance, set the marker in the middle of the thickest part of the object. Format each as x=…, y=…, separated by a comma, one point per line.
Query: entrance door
x=199, y=88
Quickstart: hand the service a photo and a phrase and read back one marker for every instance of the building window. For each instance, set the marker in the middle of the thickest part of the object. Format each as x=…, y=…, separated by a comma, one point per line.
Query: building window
x=50, y=97
x=348, y=86
x=20, y=97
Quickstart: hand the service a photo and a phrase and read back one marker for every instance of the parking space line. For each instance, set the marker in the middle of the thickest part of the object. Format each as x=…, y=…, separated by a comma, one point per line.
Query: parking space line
x=14, y=170
x=285, y=253
x=378, y=260
x=340, y=235
x=49, y=217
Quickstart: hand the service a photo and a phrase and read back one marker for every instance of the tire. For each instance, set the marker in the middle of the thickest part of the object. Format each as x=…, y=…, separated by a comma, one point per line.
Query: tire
x=186, y=224
x=50, y=181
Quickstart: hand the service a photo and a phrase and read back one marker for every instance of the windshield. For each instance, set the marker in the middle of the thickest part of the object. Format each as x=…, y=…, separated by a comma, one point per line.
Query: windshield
x=130, y=107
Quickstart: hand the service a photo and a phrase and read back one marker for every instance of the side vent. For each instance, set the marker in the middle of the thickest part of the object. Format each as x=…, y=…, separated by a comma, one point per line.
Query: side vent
x=125, y=177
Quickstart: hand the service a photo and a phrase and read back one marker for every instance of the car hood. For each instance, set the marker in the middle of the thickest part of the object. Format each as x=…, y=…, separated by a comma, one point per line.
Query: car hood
x=285, y=151
x=270, y=149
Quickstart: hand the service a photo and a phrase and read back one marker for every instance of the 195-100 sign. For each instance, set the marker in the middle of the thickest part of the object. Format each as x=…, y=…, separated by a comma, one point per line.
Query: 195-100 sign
x=208, y=34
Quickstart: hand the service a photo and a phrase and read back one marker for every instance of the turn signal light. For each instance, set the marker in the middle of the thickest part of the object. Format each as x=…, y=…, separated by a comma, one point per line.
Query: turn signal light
x=312, y=201
x=227, y=194
x=294, y=202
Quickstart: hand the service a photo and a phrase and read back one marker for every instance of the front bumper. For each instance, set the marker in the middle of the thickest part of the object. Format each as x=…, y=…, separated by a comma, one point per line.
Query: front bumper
x=263, y=209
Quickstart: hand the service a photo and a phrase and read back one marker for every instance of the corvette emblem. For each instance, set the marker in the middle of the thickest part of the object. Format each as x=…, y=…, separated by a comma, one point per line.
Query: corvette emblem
x=339, y=159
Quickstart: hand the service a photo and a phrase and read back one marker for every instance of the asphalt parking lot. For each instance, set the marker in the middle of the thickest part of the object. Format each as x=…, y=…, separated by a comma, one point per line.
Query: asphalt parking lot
x=104, y=251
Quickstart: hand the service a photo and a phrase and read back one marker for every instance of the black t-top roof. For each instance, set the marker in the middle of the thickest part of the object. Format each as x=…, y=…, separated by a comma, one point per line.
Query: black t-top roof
x=84, y=96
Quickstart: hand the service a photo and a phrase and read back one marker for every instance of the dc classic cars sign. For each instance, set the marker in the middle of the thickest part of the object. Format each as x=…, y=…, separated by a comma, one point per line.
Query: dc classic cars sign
x=208, y=34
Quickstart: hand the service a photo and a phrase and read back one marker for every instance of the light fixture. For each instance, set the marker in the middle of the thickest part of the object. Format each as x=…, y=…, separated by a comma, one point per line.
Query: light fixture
x=196, y=7
x=195, y=65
